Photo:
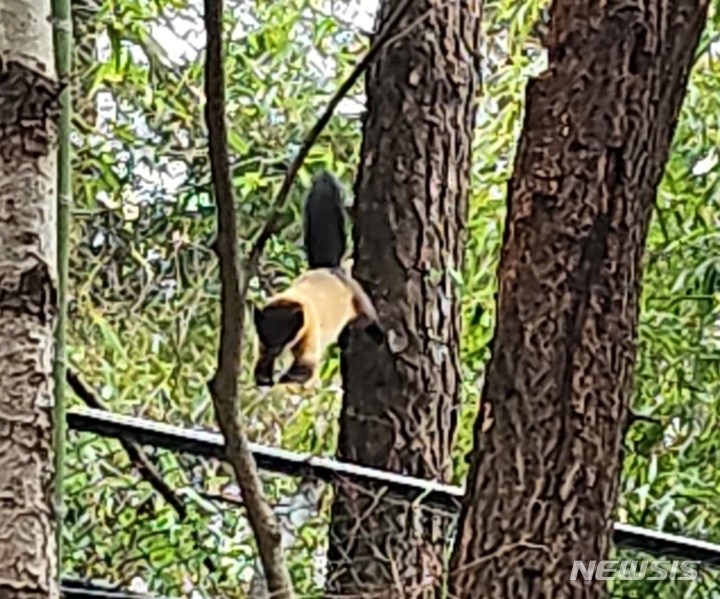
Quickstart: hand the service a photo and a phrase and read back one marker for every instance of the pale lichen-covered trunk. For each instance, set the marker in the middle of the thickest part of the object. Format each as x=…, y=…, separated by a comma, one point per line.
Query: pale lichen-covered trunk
x=28, y=115
x=544, y=475
x=401, y=401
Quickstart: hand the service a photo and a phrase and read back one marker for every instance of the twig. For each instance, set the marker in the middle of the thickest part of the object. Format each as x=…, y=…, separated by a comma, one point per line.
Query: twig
x=269, y=228
x=224, y=385
x=634, y=417
x=137, y=456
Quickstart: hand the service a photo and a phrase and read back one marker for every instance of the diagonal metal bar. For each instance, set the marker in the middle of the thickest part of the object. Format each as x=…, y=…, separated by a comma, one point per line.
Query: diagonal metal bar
x=208, y=444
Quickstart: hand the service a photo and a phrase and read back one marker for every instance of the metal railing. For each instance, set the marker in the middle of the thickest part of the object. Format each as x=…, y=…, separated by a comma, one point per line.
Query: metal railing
x=208, y=444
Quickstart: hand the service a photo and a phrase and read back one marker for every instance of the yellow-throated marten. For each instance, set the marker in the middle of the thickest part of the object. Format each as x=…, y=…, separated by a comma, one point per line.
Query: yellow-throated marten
x=318, y=306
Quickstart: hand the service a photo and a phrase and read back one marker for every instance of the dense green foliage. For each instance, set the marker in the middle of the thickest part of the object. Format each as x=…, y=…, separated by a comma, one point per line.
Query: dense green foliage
x=143, y=307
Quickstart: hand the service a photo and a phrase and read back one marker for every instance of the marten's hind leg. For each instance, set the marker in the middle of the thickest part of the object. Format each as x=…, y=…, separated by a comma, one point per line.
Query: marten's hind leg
x=265, y=368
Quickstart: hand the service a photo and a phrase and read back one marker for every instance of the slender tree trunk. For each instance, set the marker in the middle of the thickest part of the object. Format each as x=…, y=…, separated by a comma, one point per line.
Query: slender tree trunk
x=28, y=122
x=544, y=477
x=400, y=403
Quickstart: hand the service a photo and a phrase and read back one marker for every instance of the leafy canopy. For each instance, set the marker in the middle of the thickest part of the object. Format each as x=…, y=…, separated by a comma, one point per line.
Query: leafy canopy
x=144, y=287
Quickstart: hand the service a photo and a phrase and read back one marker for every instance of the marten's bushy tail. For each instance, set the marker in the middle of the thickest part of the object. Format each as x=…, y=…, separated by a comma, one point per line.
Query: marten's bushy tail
x=324, y=223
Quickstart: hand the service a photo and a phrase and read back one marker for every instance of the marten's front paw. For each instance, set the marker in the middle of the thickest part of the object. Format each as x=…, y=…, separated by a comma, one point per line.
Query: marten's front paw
x=264, y=381
x=297, y=373
x=264, y=377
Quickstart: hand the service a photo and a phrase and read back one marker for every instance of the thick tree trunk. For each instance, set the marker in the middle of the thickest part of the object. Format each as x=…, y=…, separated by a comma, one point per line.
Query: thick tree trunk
x=544, y=476
x=400, y=401
x=28, y=117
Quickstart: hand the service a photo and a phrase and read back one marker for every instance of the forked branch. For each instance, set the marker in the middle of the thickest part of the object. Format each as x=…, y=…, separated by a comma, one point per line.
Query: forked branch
x=384, y=37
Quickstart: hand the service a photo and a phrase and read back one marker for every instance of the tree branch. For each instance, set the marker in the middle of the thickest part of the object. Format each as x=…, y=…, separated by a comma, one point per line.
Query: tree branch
x=223, y=386
x=388, y=35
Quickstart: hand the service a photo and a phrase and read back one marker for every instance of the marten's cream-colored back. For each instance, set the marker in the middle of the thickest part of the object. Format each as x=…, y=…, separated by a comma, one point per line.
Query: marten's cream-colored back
x=329, y=302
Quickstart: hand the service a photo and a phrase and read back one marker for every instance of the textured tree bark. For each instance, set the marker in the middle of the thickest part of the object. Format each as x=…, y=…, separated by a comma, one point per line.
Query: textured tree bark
x=544, y=476
x=400, y=403
x=29, y=110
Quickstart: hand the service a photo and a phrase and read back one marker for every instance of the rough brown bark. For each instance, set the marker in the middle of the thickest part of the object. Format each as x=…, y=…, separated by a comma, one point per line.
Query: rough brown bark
x=29, y=112
x=544, y=476
x=400, y=403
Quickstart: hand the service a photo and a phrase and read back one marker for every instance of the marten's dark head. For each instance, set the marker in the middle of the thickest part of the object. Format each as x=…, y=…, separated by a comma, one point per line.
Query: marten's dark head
x=278, y=324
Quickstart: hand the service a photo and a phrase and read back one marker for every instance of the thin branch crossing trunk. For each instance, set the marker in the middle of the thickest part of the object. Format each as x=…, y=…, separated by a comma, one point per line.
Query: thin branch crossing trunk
x=224, y=385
